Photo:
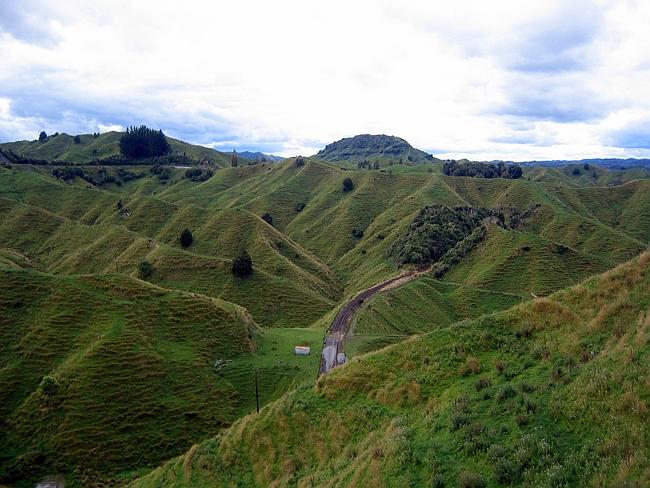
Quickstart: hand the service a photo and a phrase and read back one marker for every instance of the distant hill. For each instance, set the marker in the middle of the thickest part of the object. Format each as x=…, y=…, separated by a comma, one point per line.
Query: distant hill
x=259, y=156
x=368, y=147
x=62, y=147
x=614, y=163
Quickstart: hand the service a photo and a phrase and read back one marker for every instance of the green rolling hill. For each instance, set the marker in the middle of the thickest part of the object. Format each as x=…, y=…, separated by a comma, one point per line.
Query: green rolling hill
x=138, y=358
x=63, y=147
x=550, y=392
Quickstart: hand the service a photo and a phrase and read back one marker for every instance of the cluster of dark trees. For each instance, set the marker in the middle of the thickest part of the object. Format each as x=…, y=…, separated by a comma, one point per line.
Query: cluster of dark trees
x=365, y=164
x=199, y=174
x=142, y=142
x=162, y=172
x=482, y=170
x=434, y=231
x=99, y=178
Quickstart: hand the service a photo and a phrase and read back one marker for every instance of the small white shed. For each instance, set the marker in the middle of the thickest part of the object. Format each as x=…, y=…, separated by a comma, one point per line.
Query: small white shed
x=302, y=350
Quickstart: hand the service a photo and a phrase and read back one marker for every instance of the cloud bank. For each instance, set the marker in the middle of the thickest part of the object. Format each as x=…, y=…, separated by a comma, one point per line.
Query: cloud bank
x=485, y=80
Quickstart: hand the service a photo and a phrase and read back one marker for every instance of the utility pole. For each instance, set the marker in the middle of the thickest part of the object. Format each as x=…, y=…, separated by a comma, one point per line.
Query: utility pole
x=257, y=393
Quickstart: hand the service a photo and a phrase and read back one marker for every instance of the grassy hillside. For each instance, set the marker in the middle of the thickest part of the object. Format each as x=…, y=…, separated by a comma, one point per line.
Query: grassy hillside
x=553, y=392
x=133, y=365
x=90, y=148
x=322, y=246
x=386, y=150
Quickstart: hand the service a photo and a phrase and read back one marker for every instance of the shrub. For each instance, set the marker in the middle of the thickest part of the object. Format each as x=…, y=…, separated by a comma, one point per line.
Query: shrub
x=49, y=386
x=505, y=392
x=242, y=265
x=500, y=366
x=77, y=139
x=438, y=481
x=505, y=471
x=348, y=185
x=496, y=452
x=300, y=161
x=145, y=269
x=482, y=383
x=42, y=136
x=471, y=366
x=300, y=206
x=471, y=480
x=266, y=217
x=358, y=233
x=186, y=238
x=458, y=420
x=198, y=174
x=576, y=171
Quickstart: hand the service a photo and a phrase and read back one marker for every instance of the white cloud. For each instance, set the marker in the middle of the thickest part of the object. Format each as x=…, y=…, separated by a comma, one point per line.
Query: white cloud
x=472, y=78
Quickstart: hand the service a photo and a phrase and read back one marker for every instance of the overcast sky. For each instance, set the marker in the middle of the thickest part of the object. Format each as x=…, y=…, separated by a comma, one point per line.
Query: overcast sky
x=480, y=79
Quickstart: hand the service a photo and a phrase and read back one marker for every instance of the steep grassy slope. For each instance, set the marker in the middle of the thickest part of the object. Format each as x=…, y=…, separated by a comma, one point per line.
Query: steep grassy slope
x=553, y=392
x=63, y=148
x=134, y=368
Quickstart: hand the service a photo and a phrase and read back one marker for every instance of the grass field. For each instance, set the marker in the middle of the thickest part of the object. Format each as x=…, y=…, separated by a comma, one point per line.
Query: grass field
x=73, y=243
x=552, y=392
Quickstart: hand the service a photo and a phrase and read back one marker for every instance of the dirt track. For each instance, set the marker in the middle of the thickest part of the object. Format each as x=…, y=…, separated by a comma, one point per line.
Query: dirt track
x=334, y=343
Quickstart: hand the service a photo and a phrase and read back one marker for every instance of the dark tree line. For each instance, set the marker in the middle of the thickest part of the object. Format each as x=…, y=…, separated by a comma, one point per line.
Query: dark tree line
x=142, y=142
x=482, y=170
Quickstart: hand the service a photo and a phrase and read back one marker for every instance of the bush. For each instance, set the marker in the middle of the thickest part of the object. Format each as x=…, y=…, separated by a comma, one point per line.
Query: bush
x=242, y=265
x=300, y=161
x=145, y=269
x=299, y=207
x=186, y=238
x=500, y=366
x=348, y=185
x=505, y=392
x=49, y=386
x=77, y=139
x=358, y=233
x=505, y=471
x=198, y=175
x=42, y=136
x=459, y=420
x=576, y=172
x=162, y=172
x=142, y=142
x=482, y=383
x=471, y=480
x=438, y=481
x=471, y=366
x=266, y=217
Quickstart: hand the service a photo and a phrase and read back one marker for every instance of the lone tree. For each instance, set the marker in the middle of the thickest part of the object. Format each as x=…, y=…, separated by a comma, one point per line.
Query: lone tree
x=186, y=239
x=347, y=185
x=242, y=265
x=233, y=159
x=266, y=217
x=42, y=136
x=145, y=269
x=142, y=142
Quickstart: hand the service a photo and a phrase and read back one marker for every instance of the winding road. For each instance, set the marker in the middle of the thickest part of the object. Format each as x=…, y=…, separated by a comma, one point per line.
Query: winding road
x=333, y=354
